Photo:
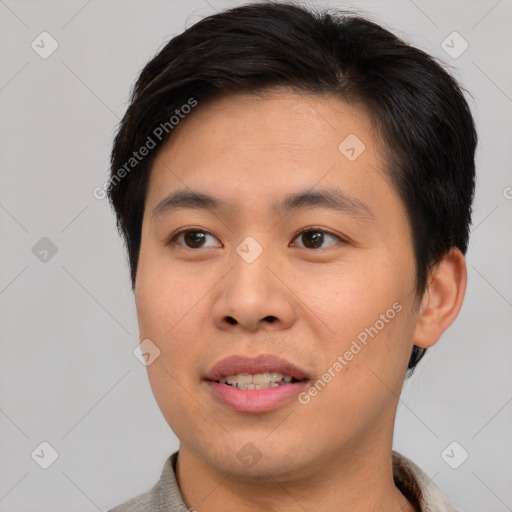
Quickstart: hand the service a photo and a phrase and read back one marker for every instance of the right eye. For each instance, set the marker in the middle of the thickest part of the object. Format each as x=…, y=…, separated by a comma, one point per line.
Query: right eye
x=193, y=238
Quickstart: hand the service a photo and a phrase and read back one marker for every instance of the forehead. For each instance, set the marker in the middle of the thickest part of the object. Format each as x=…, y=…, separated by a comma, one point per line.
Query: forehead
x=286, y=119
x=275, y=127
x=258, y=148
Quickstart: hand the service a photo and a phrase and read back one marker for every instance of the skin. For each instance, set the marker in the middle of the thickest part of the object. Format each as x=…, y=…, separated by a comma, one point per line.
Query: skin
x=202, y=303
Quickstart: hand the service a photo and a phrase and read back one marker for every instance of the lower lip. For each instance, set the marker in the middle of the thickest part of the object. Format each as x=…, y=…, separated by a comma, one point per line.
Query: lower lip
x=256, y=400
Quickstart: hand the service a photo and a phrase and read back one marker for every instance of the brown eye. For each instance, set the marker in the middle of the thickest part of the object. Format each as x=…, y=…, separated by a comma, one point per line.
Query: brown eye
x=191, y=238
x=315, y=238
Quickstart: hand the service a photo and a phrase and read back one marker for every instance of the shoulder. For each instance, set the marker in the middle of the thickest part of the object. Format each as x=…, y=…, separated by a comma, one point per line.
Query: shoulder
x=140, y=503
x=414, y=483
x=164, y=496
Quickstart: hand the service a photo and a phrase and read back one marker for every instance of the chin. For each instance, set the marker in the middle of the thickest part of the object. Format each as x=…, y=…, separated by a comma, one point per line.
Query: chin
x=248, y=456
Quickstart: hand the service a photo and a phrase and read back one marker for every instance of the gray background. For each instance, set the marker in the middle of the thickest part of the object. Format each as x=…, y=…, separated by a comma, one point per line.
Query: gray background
x=68, y=324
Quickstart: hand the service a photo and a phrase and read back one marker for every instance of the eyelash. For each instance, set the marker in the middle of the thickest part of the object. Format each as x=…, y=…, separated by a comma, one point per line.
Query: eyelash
x=175, y=236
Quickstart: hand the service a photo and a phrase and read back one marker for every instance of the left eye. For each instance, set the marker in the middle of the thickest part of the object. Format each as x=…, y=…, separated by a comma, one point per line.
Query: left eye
x=315, y=238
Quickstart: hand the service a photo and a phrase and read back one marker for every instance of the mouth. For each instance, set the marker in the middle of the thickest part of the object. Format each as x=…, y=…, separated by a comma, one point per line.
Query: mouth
x=258, y=384
x=258, y=380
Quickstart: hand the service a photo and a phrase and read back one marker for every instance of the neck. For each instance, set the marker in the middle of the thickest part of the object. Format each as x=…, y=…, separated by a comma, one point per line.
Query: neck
x=348, y=482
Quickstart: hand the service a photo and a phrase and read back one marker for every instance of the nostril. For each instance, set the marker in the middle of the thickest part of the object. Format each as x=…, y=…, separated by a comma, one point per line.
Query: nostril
x=271, y=319
x=231, y=320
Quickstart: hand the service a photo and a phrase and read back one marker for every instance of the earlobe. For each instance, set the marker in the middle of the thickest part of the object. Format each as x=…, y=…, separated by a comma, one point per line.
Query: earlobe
x=442, y=299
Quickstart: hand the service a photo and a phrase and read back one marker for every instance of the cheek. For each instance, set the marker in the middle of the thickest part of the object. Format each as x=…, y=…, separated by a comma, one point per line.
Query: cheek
x=168, y=306
x=354, y=298
x=162, y=308
x=150, y=302
x=163, y=299
x=367, y=311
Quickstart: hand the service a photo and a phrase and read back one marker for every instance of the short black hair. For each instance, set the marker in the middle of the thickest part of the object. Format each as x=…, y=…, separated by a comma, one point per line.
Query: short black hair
x=418, y=108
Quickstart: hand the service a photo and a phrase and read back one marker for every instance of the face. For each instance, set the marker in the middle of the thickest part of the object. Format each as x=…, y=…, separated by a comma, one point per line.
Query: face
x=324, y=283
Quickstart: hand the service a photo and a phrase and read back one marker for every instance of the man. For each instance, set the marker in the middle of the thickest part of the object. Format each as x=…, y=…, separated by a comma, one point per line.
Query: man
x=294, y=189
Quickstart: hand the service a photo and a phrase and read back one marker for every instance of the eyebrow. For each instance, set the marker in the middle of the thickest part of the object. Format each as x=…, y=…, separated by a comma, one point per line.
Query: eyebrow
x=331, y=199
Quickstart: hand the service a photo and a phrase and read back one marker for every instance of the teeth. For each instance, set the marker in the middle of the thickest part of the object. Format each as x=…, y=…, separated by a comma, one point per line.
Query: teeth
x=241, y=378
x=256, y=381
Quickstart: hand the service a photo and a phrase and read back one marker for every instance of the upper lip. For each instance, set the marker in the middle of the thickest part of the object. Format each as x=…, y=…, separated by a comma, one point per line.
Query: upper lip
x=263, y=363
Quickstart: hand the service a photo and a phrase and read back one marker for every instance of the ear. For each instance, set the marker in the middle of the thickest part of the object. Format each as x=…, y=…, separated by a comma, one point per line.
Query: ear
x=442, y=299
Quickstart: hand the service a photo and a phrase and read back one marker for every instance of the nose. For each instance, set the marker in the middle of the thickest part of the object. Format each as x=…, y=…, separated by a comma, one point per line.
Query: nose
x=254, y=296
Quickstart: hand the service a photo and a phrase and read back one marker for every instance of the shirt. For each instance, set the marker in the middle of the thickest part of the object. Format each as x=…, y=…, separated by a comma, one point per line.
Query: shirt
x=165, y=495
